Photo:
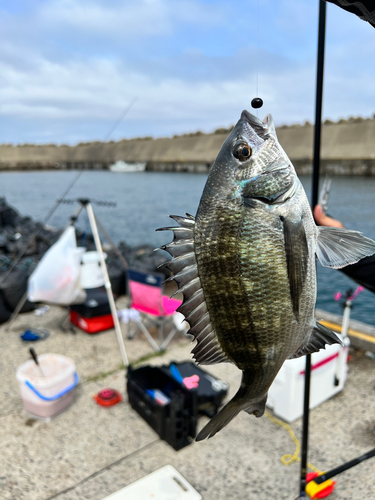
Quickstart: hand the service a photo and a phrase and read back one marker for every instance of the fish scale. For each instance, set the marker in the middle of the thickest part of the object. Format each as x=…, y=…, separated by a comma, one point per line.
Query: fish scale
x=245, y=265
x=230, y=272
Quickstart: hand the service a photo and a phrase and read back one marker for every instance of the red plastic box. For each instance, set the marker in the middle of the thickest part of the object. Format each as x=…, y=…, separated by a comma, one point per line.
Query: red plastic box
x=92, y=325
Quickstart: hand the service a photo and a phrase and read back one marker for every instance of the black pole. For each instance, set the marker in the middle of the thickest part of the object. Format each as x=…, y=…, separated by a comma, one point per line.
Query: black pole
x=314, y=201
x=318, y=101
x=342, y=468
x=305, y=424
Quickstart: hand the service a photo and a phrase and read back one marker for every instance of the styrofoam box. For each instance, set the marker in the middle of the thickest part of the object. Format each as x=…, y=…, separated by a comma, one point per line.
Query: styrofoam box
x=59, y=374
x=164, y=484
x=328, y=375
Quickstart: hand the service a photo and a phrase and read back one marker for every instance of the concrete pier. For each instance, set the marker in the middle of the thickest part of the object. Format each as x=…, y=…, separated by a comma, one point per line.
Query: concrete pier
x=90, y=452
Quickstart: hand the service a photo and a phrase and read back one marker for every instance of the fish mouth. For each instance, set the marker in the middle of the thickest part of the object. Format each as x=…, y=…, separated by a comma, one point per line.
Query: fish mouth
x=261, y=128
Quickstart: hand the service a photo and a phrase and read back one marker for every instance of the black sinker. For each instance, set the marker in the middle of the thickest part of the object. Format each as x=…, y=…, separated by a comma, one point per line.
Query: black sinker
x=257, y=102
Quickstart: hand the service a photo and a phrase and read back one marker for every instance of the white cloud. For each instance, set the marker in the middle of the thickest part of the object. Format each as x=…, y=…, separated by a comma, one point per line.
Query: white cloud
x=125, y=20
x=130, y=20
x=192, y=67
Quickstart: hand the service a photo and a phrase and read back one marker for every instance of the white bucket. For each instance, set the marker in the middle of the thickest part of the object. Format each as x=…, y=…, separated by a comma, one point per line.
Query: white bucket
x=91, y=271
x=46, y=396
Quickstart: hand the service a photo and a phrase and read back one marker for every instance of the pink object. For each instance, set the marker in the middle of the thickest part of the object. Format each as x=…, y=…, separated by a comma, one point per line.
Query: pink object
x=359, y=289
x=191, y=382
x=150, y=300
x=147, y=297
x=322, y=362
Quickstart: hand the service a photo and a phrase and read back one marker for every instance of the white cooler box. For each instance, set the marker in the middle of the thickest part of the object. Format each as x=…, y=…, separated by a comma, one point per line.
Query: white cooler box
x=328, y=375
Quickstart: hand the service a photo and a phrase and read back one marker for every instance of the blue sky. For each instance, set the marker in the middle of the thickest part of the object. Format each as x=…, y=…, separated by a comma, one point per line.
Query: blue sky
x=69, y=68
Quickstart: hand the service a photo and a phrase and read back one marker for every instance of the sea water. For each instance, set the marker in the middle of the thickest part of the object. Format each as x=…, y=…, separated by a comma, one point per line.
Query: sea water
x=145, y=199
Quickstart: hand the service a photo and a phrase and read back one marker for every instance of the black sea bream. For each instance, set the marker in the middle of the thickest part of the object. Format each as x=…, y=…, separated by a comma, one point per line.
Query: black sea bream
x=246, y=265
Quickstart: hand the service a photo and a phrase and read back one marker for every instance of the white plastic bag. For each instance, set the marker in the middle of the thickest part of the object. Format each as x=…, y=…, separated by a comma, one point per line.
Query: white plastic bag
x=56, y=277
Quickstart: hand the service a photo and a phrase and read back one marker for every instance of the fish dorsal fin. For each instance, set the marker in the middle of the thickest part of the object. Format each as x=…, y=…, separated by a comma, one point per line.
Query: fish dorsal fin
x=320, y=336
x=268, y=122
x=338, y=247
x=184, y=268
x=263, y=128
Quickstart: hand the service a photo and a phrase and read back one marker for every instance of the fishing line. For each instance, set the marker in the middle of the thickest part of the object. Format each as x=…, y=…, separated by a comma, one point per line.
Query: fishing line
x=126, y=111
x=257, y=102
x=44, y=222
x=59, y=200
x=257, y=52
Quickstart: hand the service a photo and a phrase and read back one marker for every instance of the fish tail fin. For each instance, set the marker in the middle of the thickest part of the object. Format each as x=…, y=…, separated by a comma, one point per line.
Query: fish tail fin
x=220, y=420
x=241, y=401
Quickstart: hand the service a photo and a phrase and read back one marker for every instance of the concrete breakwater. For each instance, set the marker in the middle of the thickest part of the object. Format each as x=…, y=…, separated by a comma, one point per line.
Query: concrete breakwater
x=348, y=148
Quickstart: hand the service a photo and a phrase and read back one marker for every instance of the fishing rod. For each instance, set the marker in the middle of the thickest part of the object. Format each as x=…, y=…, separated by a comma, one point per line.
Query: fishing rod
x=25, y=296
x=316, y=485
x=314, y=200
x=117, y=123
x=83, y=202
x=86, y=203
x=21, y=253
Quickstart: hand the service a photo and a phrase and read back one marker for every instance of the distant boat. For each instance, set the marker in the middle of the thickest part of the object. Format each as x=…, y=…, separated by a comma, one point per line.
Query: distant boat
x=123, y=166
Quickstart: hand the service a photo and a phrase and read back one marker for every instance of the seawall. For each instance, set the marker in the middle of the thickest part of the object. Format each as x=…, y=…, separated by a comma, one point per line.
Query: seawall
x=348, y=148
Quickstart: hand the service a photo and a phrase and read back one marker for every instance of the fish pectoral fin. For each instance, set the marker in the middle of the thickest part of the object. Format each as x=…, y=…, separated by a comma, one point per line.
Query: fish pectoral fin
x=319, y=337
x=296, y=251
x=338, y=247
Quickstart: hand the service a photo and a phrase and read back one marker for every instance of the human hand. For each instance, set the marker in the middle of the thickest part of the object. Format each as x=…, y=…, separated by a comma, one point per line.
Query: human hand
x=324, y=220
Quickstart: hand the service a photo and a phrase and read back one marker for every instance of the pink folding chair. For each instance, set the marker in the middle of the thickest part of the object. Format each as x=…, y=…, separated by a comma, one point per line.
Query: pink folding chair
x=146, y=297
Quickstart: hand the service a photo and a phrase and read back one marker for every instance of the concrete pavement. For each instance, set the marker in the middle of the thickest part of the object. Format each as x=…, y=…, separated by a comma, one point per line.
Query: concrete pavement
x=89, y=452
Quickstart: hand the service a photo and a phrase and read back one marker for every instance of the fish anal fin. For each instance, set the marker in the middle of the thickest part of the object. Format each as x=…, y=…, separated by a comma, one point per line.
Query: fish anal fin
x=338, y=247
x=320, y=336
x=296, y=252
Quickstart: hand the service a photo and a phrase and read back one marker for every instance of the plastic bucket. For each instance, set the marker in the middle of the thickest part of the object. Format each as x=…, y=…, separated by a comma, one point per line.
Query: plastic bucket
x=46, y=396
x=91, y=272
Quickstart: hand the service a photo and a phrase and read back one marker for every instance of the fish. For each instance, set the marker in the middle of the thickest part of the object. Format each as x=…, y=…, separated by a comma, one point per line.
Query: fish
x=245, y=265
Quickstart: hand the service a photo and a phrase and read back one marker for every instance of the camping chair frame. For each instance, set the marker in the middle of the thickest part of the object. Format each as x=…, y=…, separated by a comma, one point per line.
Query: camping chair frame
x=147, y=297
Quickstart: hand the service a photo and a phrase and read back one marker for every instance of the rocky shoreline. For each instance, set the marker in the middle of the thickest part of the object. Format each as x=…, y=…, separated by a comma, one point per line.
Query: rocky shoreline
x=23, y=242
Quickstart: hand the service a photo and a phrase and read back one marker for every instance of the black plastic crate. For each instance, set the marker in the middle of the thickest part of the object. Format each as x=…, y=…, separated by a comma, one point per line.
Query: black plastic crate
x=96, y=303
x=210, y=391
x=176, y=421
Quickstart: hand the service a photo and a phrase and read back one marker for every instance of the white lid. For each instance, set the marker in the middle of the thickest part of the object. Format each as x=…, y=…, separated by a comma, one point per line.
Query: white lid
x=56, y=368
x=90, y=257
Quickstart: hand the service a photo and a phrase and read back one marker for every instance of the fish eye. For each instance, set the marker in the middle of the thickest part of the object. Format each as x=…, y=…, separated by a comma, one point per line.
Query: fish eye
x=242, y=151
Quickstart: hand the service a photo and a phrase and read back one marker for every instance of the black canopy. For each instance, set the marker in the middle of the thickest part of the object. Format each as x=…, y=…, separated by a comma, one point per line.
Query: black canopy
x=364, y=9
